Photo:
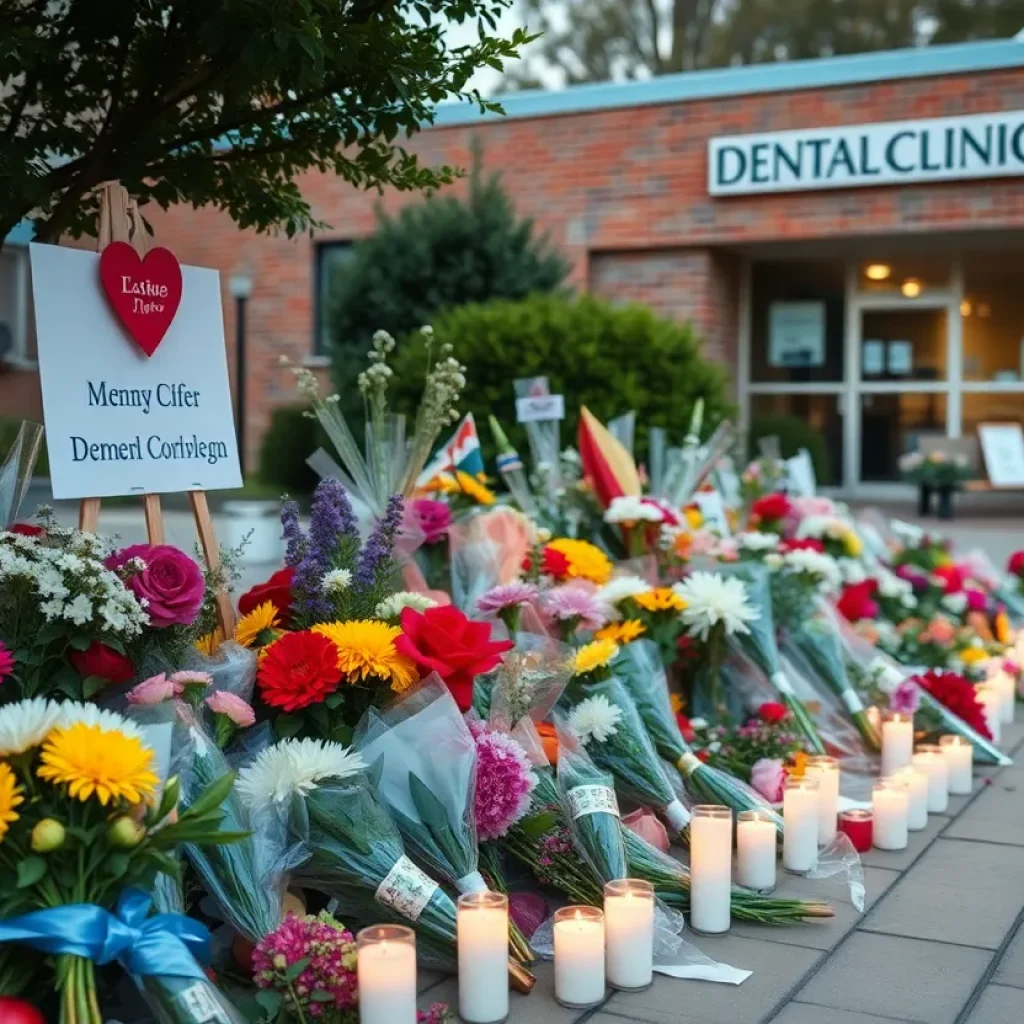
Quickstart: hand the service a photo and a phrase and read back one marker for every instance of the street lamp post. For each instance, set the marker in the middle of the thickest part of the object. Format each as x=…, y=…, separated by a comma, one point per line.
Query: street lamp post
x=240, y=286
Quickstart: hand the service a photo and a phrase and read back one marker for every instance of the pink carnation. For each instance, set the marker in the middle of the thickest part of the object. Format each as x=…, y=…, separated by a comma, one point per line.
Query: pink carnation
x=504, y=781
x=154, y=690
x=506, y=595
x=223, y=702
x=6, y=662
x=433, y=518
x=768, y=777
x=906, y=698
x=167, y=583
x=573, y=603
x=976, y=600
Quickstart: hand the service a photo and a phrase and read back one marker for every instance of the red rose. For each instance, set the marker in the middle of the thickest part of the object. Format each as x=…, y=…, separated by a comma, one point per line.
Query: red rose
x=803, y=544
x=26, y=529
x=1015, y=566
x=771, y=507
x=952, y=578
x=277, y=590
x=101, y=661
x=685, y=728
x=772, y=712
x=444, y=641
x=17, y=1011
x=855, y=602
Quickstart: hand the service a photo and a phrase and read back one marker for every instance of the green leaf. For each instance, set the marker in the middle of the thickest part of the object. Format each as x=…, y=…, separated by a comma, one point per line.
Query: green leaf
x=375, y=772
x=211, y=798
x=116, y=865
x=270, y=1001
x=30, y=870
x=287, y=726
x=296, y=969
x=431, y=810
x=80, y=643
x=92, y=685
x=537, y=825
x=319, y=996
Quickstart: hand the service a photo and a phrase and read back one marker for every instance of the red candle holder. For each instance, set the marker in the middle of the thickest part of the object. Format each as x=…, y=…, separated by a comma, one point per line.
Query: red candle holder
x=859, y=826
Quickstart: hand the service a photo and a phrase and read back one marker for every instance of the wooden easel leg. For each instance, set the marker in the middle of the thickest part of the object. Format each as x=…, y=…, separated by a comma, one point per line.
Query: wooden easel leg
x=211, y=552
x=154, y=518
x=89, y=515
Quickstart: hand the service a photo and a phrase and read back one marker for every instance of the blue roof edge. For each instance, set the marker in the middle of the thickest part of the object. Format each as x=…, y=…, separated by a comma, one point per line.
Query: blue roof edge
x=750, y=79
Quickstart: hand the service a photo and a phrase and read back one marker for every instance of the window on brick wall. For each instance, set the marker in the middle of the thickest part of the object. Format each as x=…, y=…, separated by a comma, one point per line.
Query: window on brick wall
x=331, y=260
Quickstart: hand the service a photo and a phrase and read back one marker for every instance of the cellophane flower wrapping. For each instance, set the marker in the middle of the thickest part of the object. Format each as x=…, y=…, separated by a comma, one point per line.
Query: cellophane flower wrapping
x=760, y=646
x=247, y=879
x=591, y=810
x=626, y=750
x=639, y=667
x=16, y=470
x=187, y=1001
x=424, y=760
x=529, y=681
x=487, y=547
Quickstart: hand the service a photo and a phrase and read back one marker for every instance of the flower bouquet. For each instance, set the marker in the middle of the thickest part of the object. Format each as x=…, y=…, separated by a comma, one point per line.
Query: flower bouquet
x=601, y=716
x=353, y=849
x=423, y=758
x=639, y=669
x=83, y=835
x=757, y=640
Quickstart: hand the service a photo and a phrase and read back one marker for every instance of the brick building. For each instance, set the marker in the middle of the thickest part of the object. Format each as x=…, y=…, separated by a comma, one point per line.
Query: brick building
x=845, y=233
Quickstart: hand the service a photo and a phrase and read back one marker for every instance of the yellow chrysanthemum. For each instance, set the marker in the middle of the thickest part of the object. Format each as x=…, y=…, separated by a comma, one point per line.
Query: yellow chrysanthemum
x=10, y=797
x=366, y=649
x=261, y=620
x=593, y=656
x=972, y=655
x=106, y=763
x=624, y=632
x=586, y=562
x=853, y=544
x=694, y=517
x=474, y=488
x=209, y=643
x=660, y=599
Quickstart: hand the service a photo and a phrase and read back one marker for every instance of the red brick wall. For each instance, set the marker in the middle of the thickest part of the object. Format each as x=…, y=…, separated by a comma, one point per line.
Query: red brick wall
x=623, y=193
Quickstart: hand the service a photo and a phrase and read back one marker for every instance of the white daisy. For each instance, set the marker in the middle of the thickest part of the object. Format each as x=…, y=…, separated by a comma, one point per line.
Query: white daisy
x=294, y=767
x=337, y=580
x=595, y=718
x=72, y=713
x=712, y=598
x=391, y=607
x=754, y=541
x=25, y=724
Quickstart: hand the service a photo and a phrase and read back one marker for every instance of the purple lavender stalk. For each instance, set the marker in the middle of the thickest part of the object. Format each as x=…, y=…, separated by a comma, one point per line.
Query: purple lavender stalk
x=292, y=533
x=378, y=549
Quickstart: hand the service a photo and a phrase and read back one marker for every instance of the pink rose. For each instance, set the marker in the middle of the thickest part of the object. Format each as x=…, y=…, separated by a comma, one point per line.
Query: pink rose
x=942, y=630
x=433, y=518
x=168, y=583
x=154, y=690
x=237, y=710
x=644, y=823
x=768, y=776
x=976, y=600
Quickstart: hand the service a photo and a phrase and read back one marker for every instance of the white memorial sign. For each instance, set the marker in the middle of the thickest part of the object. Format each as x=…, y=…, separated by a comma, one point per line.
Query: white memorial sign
x=1003, y=447
x=119, y=421
x=854, y=156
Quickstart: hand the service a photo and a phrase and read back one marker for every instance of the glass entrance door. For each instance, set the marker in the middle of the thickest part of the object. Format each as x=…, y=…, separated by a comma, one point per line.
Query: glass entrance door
x=901, y=384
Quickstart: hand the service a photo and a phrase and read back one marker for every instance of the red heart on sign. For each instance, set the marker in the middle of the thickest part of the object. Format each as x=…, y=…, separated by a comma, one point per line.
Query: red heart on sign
x=145, y=293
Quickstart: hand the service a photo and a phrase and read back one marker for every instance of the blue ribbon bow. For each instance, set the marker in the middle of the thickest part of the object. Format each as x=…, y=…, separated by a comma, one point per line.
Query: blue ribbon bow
x=167, y=945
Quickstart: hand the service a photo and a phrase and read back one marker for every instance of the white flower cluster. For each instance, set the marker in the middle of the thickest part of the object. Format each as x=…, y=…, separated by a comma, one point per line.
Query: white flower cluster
x=955, y=603
x=336, y=580
x=391, y=607
x=613, y=593
x=70, y=583
x=823, y=526
x=852, y=570
x=595, y=719
x=712, y=598
x=892, y=586
x=822, y=568
x=631, y=509
x=754, y=541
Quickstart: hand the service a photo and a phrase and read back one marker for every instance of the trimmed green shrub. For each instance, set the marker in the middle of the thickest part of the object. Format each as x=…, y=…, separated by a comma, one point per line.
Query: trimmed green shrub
x=443, y=252
x=793, y=434
x=290, y=440
x=610, y=358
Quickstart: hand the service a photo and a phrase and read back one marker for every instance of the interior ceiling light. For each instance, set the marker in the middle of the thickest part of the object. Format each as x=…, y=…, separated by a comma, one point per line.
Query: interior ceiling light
x=877, y=271
x=911, y=288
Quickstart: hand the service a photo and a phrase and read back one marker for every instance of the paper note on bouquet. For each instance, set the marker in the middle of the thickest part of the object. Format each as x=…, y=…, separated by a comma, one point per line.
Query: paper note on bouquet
x=123, y=417
x=537, y=408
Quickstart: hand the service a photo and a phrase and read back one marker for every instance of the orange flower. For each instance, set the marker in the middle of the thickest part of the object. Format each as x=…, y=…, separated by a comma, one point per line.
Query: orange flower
x=798, y=767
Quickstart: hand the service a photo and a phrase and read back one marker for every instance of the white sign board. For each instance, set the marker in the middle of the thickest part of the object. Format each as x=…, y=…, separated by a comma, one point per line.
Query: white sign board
x=540, y=408
x=900, y=358
x=712, y=510
x=1002, y=444
x=800, y=478
x=118, y=421
x=855, y=156
x=796, y=334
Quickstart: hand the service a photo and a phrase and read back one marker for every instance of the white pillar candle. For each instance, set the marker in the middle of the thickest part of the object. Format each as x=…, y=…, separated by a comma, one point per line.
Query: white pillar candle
x=959, y=755
x=826, y=771
x=386, y=969
x=1019, y=646
x=629, y=933
x=756, y=846
x=482, y=929
x=889, y=807
x=800, y=816
x=916, y=782
x=710, y=868
x=991, y=700
x=579, y=956
x=1006, y=686
x=897, y=742
x=930, y=760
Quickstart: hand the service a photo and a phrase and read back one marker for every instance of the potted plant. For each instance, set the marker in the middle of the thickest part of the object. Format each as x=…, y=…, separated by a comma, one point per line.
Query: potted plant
x=936, y=473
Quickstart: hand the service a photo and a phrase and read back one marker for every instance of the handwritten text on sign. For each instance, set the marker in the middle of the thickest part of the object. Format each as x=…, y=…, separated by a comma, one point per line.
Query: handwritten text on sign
x=144, y=292
x=119, y=421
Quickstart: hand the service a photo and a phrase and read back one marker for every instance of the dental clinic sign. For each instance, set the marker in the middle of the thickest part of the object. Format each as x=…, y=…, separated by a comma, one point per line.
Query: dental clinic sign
x=855, y=156
x=134, y=374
